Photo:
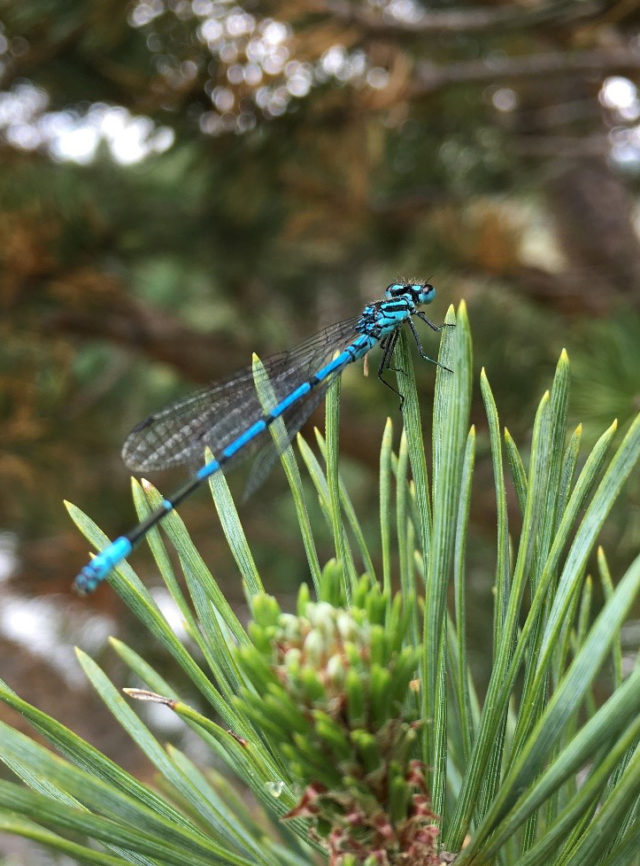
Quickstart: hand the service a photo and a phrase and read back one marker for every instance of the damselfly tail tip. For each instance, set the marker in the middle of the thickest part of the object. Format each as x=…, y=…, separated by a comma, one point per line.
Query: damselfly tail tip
x=102, y=564
x=87, y=581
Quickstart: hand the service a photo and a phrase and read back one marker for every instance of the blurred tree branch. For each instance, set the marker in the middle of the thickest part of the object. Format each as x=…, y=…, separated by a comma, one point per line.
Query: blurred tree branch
x=431, y=77
x=129, y=322
x=455, y=21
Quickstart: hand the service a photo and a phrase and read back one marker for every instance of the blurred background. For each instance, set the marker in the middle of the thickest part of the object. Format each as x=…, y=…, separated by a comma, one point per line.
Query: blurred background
x=187, y=181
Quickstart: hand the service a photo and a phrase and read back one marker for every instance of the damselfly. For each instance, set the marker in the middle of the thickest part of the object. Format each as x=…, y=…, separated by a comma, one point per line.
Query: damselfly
x=229, y=418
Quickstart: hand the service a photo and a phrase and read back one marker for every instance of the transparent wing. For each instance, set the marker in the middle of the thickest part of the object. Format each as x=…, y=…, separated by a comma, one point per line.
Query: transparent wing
x=218, y=414
x=270, y=449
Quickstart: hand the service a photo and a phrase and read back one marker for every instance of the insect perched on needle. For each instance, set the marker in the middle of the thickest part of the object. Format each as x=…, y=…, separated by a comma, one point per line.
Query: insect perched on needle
x=229, y=418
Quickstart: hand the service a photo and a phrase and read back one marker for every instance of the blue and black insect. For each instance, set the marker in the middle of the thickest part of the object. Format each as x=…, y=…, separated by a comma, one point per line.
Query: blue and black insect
x=228, y=417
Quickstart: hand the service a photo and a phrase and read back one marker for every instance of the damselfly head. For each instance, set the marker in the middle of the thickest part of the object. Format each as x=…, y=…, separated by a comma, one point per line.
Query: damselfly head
x=420, y=293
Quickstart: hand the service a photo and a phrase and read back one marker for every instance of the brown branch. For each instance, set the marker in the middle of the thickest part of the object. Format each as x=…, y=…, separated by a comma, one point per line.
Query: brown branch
x=161, y=337
x=454, y=22
x=565, y=293
x=431, y=77
x=558, y=147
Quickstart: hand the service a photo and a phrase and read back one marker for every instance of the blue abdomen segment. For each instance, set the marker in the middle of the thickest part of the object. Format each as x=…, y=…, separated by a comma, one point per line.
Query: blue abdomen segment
x=357, y=349
x=206, y=471
x=95, y=572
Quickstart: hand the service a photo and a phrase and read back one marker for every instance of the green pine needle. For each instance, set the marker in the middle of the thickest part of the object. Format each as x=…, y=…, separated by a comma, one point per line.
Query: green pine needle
x=356, y=720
